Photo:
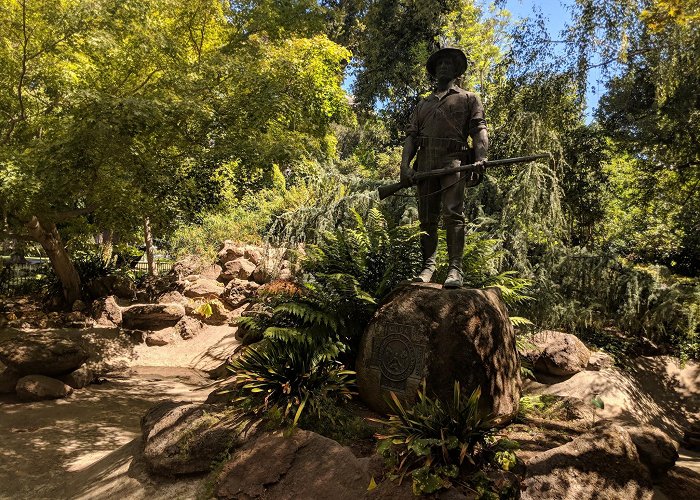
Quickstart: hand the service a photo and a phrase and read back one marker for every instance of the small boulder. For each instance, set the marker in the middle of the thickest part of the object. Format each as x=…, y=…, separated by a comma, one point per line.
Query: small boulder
x=172, y=297
x=188, y=327
x=42, y=354
x=210, y=272
x=161, y=337
x=237, y=292
x=253, y=254
x=8, y=381
x=184, y=438
x=600, y=361
x=564, y=355
x=602, y=463
x=229, y=251
x=301, y=465
x=152, y=316
x=79, y=378
x=213, y=312
x=240, y=268
x=40, y=387
x=115, y=284
x=107, y=312
x=656, y=449
x=203, y=288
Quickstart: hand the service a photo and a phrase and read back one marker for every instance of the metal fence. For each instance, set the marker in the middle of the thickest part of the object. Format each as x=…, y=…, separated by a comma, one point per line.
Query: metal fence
x=18, y=279
x=21, y=278
x=162, y=267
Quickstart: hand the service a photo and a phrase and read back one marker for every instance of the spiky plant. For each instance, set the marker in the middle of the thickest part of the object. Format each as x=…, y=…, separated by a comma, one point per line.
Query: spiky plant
x=431, y=439
x=290, y=377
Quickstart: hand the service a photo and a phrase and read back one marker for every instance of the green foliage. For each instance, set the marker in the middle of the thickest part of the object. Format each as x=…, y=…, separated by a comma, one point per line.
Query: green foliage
x=589, y=293
x=289, y=376
x=432, y=439
x=90, y=265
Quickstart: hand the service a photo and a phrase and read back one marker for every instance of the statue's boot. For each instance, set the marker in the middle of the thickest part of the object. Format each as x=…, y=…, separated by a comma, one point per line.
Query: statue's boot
x=455, y=252
x=428, y=247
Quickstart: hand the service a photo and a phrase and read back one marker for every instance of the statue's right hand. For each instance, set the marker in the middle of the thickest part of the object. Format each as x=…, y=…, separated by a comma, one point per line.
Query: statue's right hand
x=407, y=175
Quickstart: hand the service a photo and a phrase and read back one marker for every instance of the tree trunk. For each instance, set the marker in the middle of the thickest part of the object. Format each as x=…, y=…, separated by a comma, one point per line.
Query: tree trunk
x=49, y=239
x=106, y=245
x=150, y=250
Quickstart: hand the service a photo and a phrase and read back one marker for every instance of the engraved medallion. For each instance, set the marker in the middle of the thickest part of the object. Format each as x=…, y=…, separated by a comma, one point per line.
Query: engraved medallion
x=398, y=354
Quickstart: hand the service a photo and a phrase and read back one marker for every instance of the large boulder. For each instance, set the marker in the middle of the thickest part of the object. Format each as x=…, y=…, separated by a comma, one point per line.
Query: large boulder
x=79, y=378
x=441, y=335
x=40, y=387
x=601, y=464
x=301, y=465
x=656, y=449
x=230, y=251
x=42, y=353
x=203, y=288
x=563, y=354
x=152, y=316
x=184, y=438
x=240, y=268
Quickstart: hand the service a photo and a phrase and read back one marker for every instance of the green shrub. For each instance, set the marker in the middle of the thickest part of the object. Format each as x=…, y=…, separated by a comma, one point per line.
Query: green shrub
x=288, y=377
x=431, y=440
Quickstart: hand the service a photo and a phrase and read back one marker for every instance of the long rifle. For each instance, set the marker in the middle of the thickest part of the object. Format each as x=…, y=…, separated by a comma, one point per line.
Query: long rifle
x=390, y=189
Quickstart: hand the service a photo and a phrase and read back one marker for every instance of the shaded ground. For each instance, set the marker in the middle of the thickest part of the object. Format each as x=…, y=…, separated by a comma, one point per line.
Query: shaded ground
x=82, y=446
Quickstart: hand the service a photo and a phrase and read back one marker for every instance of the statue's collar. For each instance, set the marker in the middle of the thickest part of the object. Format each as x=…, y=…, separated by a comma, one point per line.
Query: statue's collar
x=454, y=89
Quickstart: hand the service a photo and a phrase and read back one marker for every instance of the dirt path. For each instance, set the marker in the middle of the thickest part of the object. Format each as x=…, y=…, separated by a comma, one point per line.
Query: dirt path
x=83, y=446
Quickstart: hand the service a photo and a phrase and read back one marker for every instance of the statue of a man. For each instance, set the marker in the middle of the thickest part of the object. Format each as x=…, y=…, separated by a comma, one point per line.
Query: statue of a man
x=438, y=138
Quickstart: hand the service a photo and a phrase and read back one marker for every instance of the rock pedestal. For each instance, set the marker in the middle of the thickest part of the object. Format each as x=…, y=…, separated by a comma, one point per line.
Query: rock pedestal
x=441, y=335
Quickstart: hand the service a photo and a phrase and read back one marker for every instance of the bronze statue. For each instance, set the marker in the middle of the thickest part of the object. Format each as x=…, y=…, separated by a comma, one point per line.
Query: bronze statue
x=438, y=138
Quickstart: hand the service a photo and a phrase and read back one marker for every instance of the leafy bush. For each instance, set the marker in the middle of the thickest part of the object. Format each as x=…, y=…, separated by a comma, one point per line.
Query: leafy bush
x=591, y=293
x=89, y=265
x=431, y=440
x=289, y=376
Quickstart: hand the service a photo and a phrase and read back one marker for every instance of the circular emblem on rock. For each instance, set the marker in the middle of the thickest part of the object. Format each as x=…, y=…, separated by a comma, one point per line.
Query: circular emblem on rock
x=397, y=357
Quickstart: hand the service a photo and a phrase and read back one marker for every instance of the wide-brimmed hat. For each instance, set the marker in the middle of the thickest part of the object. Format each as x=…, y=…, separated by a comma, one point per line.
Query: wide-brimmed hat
x=456, y=54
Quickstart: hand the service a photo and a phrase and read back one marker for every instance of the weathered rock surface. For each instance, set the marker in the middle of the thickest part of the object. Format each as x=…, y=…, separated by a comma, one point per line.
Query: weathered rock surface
x=238, y=291
x=188, y=327
x=601, y=464
x=79, y=378
x=424, y=331
x=656, y=449
x=152, y=316
x=203, y=288
x=230, y=251
x=42, y=354
x=211, y=312
x=183, y=438
x=240, y=268
x=40, y=387
x=8, y=380
x=302, y=465
x=172, y=297
x=211, y=271
x=600, y=361
x=161, y=337
x=563, y=355
x=107, y=312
